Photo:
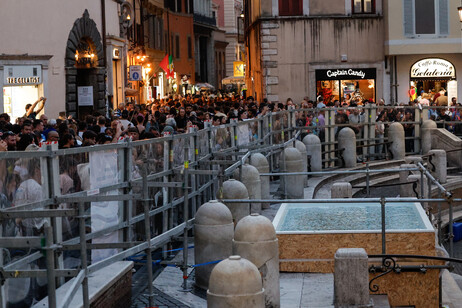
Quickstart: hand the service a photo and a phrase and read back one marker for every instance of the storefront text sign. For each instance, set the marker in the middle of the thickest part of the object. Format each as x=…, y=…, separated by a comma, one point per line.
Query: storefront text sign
x=346, y=73
x=238, y=68
x=433, y=68
x=19, y=75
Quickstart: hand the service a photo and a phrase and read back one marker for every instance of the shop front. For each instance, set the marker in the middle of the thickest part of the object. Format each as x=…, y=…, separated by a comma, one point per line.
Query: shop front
x=431, y=75
x=22, y=85
x=340, y=83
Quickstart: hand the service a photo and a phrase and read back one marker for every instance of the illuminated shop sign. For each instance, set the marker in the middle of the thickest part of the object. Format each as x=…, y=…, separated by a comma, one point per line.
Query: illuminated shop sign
x=22, y=75
x=433, y=68
x=346, y=73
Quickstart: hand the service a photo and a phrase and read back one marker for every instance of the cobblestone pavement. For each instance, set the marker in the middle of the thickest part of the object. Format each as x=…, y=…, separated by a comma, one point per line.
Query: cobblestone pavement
x=161, y=300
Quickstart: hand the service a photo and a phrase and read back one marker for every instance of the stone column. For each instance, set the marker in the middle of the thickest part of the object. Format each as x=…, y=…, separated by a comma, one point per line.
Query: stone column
x=427, y=127
x=347, y=141
x=313, y=149
x=439, y=160
x=351, y=278
x=341, y=190
x=396, y=136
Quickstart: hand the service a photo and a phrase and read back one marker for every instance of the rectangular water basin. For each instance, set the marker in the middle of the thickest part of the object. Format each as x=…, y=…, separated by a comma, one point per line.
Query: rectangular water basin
x=310, y=234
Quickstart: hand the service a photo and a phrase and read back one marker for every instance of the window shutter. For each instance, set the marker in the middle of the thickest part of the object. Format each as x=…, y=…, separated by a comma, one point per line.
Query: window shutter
x=408, y=18
x=444, y=17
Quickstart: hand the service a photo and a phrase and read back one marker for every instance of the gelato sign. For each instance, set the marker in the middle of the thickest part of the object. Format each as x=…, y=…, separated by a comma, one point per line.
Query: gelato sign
x=433, y=68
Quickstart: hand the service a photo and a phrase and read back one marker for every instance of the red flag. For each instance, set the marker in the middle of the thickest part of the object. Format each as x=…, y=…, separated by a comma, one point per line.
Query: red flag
x=164, y=64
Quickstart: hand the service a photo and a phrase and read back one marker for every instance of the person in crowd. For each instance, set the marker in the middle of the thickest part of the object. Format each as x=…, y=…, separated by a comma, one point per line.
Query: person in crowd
x=31, y=112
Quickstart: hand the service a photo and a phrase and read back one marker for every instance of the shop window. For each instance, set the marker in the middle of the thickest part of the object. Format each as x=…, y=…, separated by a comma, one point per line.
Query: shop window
x=363, y=6
x=177, y=46
x=290, y=7
x=425, y=18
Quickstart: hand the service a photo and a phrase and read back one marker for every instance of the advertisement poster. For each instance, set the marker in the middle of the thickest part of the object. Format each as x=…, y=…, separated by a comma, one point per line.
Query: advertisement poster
x=103, y=172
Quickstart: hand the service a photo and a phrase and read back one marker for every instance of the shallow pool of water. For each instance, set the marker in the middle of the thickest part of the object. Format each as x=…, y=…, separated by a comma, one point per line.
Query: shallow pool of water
x=351, y=217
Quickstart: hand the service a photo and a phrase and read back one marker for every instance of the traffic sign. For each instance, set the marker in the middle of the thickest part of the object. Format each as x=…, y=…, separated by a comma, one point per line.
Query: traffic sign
x=135, y=73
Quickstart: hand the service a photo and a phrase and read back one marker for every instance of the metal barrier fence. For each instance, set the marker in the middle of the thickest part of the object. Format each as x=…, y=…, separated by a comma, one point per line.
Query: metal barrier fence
x=126, y=198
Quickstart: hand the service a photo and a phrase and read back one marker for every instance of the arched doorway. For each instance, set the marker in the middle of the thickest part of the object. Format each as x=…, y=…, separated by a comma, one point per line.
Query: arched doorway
x=85, y=72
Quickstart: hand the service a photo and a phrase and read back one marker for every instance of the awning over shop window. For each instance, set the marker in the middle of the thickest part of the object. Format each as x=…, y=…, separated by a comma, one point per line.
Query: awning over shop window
x=131, y=92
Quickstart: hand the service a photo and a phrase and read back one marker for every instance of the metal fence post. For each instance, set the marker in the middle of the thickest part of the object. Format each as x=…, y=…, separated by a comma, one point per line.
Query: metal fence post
x=165, y=193
x=186, y=218
x=125, y=160
x=54, y=190
x=50, y=262
x=147, y=233
x=417, y=130
x=83, y=255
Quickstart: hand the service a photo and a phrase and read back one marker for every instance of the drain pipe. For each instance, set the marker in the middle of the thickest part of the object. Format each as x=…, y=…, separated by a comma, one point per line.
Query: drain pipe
x=103, y=29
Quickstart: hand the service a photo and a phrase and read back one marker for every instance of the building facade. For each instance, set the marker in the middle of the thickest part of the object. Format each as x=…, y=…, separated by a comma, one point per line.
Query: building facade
x=58, y=52
x=180, y=45
x=423, y=47
x=204, y=27
x=299, y=48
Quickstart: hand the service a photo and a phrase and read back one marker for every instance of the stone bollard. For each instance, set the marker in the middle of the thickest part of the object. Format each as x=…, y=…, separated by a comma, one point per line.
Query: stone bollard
x=260, y=162
x=313, y=149
x=396, y=137
x=405, y=189
x=427, y=127
x=341, y=190
x=413, y=160
x=351, y=278
x=300, y=146
x=250, y=177
x=214, y=232
x=233, y=189
x=292, y=185
x=235, y=282
x=440, y=161
x=255, y=239
x=416, y=178
x=347, y=141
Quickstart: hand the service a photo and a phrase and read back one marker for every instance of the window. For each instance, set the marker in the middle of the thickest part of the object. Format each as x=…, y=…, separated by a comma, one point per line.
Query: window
x=178, y=5
x=189, y=48
x=363, y=6
x=290, y=7
x=425, y=18
x=177, y=46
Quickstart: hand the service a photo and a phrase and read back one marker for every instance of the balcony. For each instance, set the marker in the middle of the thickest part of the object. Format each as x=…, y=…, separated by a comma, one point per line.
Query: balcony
x=205, y=20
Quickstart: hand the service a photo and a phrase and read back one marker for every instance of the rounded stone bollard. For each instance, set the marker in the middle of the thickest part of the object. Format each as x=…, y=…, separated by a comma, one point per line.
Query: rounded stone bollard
x=405, y=189
x=255, y=239
x=214, y=232
x=313, y=149
x=233, y=189
x=260, y=162
x=234, y=283
x=251, y=179
x=427, y=127
x=302, y=148
x=347, y=141
x=292, y=184
x=341, y=190
x=440, y=161
x=396, y=137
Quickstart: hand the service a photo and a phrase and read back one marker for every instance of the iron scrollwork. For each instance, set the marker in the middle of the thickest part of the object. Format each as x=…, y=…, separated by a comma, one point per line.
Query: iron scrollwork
x=388, y=266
